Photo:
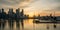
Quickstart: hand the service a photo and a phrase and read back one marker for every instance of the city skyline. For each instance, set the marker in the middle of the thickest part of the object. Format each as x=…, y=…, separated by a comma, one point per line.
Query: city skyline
x=33, y=7
x=18, y=10
x=29, y=14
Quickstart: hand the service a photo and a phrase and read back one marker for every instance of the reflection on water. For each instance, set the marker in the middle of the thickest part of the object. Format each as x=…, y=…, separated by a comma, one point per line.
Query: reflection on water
x=27, y=24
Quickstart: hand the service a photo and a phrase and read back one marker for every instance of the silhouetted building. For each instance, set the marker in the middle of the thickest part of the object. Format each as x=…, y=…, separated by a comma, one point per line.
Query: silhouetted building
x=3, y=14
x=51, y=15
x=26, y=16
x=11, y=13
x=0, y=10
x=0, y=13
x=18, y=13
x=22, y=14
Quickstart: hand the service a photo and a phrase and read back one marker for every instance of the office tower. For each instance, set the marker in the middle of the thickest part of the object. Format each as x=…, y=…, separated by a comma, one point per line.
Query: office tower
x=0, y=14
x=22, y=12
x=3, y=14
x=10, y=11
x=2, y=10
x=18, y=13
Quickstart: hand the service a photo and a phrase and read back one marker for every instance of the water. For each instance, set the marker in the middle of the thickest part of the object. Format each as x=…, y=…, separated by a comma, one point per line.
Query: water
x=27, y=24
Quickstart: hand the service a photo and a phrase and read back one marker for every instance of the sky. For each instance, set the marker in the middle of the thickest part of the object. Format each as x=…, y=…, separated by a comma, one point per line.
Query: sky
x=33, y=7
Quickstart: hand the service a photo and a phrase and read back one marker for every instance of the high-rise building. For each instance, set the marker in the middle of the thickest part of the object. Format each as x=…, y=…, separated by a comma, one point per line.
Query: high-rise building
x=22, y=13
x=2, y=10
x=10, y=11
x=17, y=11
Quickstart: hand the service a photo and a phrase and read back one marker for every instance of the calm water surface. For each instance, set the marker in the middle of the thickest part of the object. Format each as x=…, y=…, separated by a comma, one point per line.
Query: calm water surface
x=27, y=24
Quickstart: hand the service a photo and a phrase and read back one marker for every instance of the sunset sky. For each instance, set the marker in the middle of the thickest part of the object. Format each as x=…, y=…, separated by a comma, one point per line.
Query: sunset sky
x=31, y=7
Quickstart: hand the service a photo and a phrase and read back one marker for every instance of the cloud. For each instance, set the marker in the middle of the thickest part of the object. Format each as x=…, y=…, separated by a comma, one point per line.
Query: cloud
x=54, y=9
x=9, y=2
x=46, y=4
x=14, y=3
x=32, y=5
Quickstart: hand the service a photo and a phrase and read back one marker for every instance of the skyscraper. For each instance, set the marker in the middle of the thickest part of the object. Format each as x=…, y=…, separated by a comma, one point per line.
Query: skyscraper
x=2, y=10
x=22, y=14
x=10, y=11
x=18, y=13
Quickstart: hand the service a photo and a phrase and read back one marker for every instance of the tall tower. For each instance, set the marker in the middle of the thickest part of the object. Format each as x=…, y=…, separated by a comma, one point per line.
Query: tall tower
x=22, y=12
x=10, y=11
x=2, y=10
x=17, y=11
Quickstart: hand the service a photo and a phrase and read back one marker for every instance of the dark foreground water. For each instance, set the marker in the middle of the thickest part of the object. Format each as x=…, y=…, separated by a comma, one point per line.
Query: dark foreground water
x=27, y=25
